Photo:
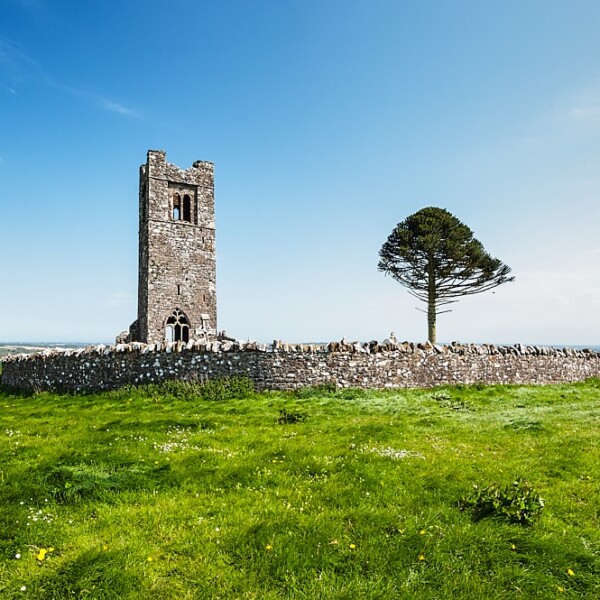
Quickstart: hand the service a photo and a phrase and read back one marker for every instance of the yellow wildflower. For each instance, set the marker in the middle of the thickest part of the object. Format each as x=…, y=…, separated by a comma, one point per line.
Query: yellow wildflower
x=422, y=532
x=570, y=572
x=268, y=547
x=352, y=546
x=149, y=559
x=42, y=554
x=421, y=557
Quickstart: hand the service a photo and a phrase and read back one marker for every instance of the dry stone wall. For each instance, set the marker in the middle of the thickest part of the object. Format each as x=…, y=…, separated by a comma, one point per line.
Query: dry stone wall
x=284, y=366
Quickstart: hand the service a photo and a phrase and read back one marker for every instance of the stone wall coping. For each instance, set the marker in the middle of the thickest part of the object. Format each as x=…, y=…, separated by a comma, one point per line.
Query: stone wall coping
x=344, y=346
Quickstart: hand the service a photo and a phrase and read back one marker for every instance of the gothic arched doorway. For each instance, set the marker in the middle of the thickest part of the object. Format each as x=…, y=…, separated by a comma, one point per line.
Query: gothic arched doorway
x=177, y=328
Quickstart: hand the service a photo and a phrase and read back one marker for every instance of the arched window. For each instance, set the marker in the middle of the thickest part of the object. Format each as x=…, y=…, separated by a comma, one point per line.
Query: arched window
x=187, y=209
x=177, y=327
x=176, y=207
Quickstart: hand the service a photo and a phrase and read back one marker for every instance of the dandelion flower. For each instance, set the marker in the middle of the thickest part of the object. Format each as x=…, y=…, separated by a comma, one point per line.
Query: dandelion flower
x=422, y=532
x=352, y=546
x=149, y=559
x=421, y=557
x=268, y=547
x=17, y=555
x=560, y=588
x=570, y=572
x=513, y=547
x=42, y=554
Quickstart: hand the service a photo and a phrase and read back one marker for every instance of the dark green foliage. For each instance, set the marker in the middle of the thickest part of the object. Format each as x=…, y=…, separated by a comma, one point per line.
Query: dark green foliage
x=518, y=503
x=288, y=417
x=227, y=388
x=71, y=482
x=437, y=258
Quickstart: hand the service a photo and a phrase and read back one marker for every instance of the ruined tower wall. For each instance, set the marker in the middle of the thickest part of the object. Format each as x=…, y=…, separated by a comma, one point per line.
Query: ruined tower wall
x=177, y=266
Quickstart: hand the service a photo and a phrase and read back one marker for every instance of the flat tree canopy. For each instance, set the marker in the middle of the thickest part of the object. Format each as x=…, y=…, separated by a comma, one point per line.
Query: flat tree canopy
x=437, y=258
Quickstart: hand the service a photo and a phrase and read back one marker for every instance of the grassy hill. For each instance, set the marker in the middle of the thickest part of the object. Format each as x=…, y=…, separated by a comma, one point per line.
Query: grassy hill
x=176, y=491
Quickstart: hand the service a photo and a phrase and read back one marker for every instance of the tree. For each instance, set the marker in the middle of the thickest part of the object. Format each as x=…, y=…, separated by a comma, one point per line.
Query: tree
x=437, y=258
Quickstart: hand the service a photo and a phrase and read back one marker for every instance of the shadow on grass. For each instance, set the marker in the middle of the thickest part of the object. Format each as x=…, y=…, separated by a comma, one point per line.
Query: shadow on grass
x=93, y=574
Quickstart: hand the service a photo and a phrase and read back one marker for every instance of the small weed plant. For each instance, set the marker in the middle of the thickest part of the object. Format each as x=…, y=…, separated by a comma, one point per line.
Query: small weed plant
x=289, y=417
x=445, y=400
x=519, y=503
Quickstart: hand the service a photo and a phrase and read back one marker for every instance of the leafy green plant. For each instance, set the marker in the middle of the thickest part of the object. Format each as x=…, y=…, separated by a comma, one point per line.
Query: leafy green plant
x=519, y=503
x=68, y=483
x=288, y=417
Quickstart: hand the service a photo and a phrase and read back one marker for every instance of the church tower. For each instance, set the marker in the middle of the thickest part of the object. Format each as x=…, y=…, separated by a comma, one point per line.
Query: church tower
x=177, y=298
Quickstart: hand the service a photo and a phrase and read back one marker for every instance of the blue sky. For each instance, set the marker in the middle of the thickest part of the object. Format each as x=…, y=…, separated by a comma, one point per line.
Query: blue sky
x=328, y=122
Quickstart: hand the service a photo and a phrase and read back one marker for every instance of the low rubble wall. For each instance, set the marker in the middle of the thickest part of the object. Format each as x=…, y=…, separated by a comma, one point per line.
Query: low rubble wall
x=284, y=366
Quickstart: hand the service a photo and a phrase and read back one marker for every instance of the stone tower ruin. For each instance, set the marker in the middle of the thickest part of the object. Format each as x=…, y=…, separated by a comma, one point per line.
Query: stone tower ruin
x=177, y=298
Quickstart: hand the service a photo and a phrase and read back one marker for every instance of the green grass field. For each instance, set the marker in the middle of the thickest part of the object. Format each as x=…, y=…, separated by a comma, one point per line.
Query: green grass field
x=161, y=493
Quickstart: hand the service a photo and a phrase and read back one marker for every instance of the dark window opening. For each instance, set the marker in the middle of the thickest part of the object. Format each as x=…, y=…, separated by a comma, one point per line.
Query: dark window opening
x=177, y=327
x=187, y=209
x=178, y=289
x=176, y=207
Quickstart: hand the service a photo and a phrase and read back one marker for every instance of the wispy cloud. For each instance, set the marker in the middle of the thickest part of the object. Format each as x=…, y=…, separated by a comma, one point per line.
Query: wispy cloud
x=14, y=55
x=116, y=107
x=8, y=89
x=578, y=107
x=94, y=98
x=590, y=113
x=16, y=65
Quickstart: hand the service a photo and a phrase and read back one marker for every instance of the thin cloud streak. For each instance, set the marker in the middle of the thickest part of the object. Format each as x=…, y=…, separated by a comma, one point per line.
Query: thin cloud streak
x=118, y=108
x=586, y=113
x=22, y=64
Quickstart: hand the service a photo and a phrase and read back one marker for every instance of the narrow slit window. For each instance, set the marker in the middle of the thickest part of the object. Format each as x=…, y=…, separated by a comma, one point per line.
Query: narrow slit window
x=176, y=207
x=187, y=209
x=179, y=289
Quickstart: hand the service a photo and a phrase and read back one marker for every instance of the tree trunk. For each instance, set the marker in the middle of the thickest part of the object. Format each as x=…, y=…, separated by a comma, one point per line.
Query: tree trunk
x=431, y=313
